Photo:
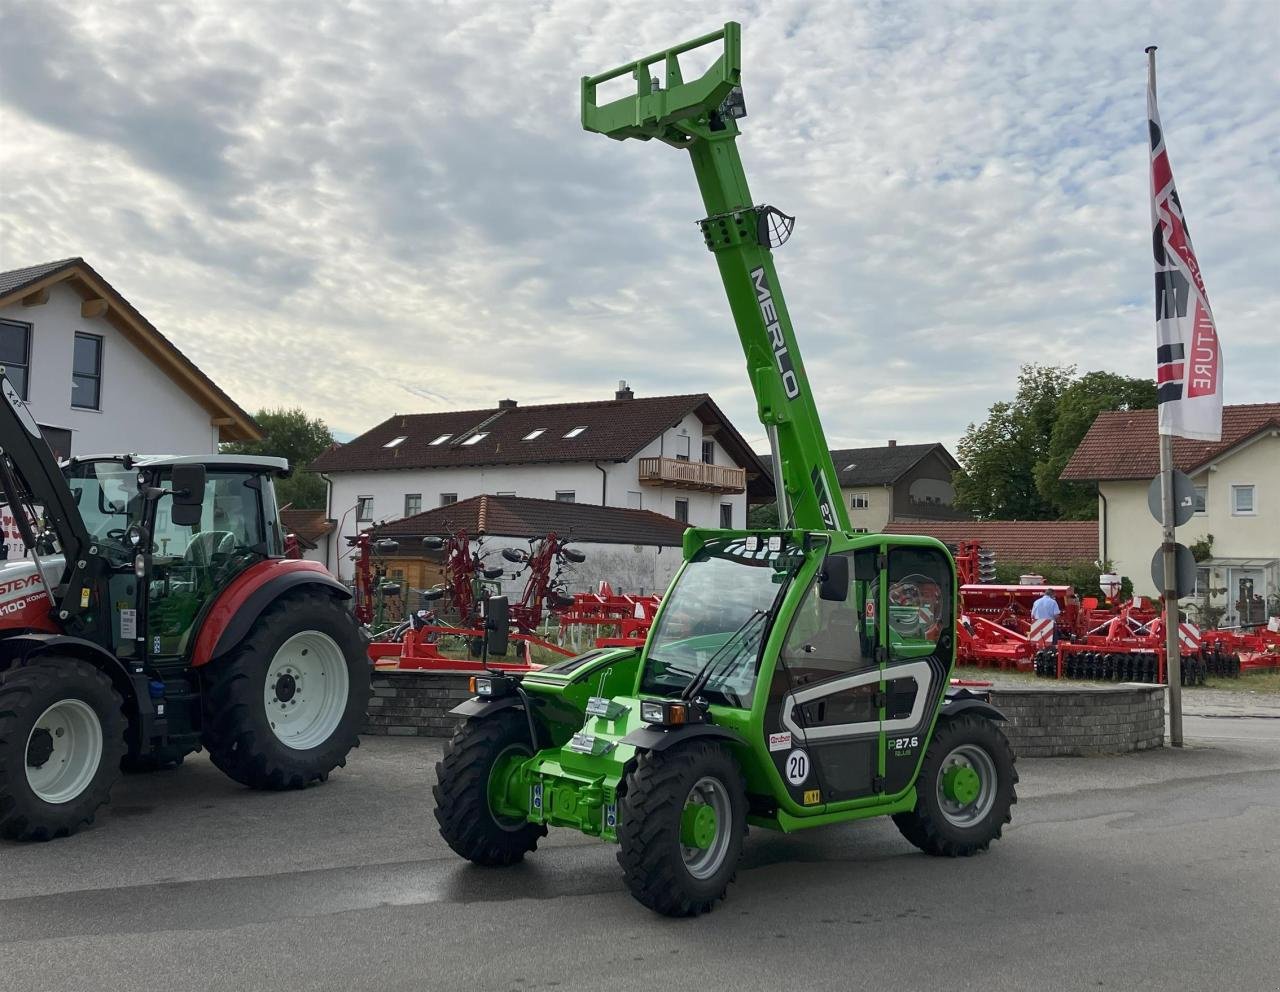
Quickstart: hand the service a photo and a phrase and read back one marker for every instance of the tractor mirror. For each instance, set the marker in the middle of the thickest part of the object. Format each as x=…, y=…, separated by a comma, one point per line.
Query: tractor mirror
x=188, y=495
x=495, y=625
x=864, y=565
x=834, y=583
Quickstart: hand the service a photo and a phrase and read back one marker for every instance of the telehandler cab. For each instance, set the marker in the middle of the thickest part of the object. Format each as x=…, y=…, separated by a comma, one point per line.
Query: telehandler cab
x=792, y=678
x=153, y=612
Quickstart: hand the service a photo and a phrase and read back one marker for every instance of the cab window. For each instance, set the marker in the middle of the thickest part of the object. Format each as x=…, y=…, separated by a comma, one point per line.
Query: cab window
x=829, y=637
x=920, y=611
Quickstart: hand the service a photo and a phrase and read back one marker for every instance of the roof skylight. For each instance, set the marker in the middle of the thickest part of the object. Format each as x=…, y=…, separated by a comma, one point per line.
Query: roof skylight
x=396, y=441
x=575, y=432
x=441, y=439
x=476, y=438
x=535, y=434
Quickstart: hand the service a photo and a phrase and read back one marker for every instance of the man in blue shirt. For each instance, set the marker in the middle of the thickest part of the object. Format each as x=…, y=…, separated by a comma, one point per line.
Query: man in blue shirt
x=1047, y=608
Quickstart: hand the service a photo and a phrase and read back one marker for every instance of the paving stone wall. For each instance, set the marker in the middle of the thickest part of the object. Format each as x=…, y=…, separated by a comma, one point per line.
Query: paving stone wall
x=414, y=704
x=1082, y=720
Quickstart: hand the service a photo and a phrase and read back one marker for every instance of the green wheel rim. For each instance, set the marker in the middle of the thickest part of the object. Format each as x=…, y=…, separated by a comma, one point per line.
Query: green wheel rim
x=966, y=785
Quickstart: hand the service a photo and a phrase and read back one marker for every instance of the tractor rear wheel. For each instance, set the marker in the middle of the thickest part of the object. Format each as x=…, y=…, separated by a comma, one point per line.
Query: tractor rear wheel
x=62, y=735
x=965, y=790
x=474, y=769
x=285, y=707
x=681, y=825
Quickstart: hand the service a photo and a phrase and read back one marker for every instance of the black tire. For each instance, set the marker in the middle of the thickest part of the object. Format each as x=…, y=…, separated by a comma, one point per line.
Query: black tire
x=927, y=826
x=237, y=729
x=649, y=822
x=25, y=695
x=467, y=822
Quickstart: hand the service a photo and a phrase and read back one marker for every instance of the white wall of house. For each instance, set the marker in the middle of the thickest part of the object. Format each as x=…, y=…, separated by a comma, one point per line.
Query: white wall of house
x=619, y=485
x=876, y=513
x=141, y=409
x=1132, y=535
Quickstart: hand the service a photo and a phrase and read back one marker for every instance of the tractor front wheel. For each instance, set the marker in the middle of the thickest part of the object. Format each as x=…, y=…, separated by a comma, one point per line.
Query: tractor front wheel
x=470, y=780
x=62, y=735
x=285, y=708
x=965, y=790
x=681, y=825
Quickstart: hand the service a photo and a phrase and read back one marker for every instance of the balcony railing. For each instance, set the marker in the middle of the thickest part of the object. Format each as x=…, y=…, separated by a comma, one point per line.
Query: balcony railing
x=675, y=473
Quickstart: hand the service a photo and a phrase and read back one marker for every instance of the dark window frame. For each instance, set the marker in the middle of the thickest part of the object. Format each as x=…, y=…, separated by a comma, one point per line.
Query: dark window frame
x=682, y=510
x=95, y=376
x=726, y=510
x=28, y=330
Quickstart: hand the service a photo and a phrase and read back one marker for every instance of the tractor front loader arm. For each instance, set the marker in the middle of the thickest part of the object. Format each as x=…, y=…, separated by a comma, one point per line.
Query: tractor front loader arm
x=701, y=116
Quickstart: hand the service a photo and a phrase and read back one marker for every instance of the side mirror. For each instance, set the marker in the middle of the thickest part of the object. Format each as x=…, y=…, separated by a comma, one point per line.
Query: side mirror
x=864, y=565
x=188, y=494
x=433, y=543
x=834, y=583
x=496, y=621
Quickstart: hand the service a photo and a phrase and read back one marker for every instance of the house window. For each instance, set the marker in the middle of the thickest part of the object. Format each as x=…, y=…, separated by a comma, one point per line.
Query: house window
x=1201, y=499
x=635, y=500
x=1202, y=582
x=86, y=372
x=364, y=509
x=447, y=498
x=412, y=504
x=708, y=452
x=476, y=438
x=565, y=495
x=15, y=353
x=682, y=448
x=859, y=501
x=534, y=435
x=575, y=432
x=1242, y=501
x=441, y=439
x=726, y=515
x=395, y=442
x=682, y=510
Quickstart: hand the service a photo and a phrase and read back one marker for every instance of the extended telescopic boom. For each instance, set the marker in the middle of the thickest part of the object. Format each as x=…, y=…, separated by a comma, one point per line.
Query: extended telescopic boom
x=701, y=116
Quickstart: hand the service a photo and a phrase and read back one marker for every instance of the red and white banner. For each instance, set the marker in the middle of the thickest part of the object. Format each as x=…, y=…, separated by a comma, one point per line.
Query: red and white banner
x=1188, y=358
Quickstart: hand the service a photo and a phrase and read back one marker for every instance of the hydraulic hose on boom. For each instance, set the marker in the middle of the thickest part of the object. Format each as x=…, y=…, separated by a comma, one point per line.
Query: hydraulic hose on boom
x=701, y=116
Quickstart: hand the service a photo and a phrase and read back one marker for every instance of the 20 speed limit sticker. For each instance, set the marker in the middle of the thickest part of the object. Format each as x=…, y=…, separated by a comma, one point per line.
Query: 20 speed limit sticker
x=797, y=767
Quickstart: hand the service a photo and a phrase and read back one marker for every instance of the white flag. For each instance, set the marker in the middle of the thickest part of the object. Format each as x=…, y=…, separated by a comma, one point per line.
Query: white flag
x=1188, y=359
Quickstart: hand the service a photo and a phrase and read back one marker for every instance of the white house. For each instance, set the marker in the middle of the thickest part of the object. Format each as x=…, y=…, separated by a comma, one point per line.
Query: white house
x=675, y=455
x=1237, y=484
x=896, y=482
x=98, y=376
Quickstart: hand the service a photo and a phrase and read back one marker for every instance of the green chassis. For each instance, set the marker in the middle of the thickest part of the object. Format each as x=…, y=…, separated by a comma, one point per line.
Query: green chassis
x=563, y=787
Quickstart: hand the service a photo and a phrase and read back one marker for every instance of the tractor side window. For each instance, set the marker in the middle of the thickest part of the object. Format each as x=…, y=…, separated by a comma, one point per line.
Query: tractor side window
x=920, y=609
x=106, y=494
x=826, y=637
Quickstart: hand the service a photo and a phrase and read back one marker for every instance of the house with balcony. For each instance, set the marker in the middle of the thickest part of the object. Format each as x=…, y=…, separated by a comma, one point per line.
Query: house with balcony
x=678, y=456
x=1237, y=504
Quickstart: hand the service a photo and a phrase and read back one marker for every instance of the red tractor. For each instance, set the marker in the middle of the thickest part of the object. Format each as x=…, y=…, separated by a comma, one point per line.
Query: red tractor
x=154, y=613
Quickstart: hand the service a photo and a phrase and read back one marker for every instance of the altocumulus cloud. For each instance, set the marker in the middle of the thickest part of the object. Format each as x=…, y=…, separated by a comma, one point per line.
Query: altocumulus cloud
x=375, y=208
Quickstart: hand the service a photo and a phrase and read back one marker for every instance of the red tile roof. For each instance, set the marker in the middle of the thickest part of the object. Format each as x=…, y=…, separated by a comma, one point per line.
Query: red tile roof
x=1123, y=444
x=1023, y=542
x=615, y=430
x=308, y=525
x=520, y=516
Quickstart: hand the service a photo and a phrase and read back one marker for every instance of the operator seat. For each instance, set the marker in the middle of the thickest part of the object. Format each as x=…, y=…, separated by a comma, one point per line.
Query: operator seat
x=207, y=544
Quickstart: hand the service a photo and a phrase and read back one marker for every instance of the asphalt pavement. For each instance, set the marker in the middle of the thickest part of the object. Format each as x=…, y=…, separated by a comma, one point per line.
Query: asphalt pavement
x=1153, y=871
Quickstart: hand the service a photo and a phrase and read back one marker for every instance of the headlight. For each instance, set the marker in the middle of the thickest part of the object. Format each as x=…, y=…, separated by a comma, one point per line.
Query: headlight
x=665, y=713
x=491, y=687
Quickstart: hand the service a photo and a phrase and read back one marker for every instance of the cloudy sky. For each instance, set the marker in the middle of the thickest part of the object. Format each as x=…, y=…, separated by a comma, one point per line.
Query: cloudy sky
x=371, y=208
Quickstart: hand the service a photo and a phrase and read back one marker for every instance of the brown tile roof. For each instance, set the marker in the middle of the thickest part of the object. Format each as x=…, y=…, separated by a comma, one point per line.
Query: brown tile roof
x=615, y=431
x=1123, y=444
x=519, y=516
x=308, y=525
x=1023, y=542
x=882, y=465
x=140, y=332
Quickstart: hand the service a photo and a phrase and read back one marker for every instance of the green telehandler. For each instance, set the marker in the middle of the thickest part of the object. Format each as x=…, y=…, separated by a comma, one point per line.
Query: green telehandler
x=792, y=678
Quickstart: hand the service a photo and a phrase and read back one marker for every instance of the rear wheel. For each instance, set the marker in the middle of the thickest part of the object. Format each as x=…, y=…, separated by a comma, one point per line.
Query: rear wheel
x=681, y=826
x=471, y=780
x=285, y=707
x=62, y=735
x=965, y=790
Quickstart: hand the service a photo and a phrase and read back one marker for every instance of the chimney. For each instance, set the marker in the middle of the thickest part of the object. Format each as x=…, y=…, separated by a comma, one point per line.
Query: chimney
x=893, y=442
x=506, y=404
x=624, y=391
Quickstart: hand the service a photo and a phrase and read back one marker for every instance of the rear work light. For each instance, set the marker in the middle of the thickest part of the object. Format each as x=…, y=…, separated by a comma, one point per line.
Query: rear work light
x=492, y=686
x=670, y=712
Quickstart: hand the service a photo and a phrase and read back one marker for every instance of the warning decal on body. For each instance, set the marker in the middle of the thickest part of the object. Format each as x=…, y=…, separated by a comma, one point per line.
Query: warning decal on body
x=797, y=767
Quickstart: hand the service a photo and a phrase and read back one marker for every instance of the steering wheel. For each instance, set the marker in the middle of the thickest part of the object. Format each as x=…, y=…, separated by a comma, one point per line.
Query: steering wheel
x=118, y=534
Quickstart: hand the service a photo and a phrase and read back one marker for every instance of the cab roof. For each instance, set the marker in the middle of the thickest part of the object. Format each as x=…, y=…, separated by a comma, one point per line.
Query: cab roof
x=254, y=463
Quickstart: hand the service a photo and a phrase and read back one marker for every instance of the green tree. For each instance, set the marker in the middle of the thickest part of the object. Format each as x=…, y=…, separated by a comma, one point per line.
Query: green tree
x=763, y=516
x=291, y=434
x=1077, y=408
x=998, y=457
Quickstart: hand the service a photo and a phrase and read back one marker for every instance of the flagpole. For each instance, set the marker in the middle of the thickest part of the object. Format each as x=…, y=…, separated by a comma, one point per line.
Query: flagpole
x=1168, y=546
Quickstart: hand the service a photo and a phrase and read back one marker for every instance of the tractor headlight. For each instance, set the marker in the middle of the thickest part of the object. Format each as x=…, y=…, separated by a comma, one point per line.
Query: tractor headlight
x=492, y=687
x=665, y=713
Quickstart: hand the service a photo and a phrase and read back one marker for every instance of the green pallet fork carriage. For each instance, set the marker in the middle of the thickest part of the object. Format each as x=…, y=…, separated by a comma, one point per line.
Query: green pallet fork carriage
x=792, y=678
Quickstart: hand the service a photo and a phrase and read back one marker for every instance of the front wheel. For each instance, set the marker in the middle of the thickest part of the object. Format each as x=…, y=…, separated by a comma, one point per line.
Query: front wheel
x=472, y=779
x=965, y=791
x=285, y=707
x=681, y=825
x=62, y=735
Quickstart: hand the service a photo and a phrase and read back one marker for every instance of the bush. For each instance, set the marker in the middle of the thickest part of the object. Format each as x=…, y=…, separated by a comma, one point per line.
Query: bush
x=1082, y=574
